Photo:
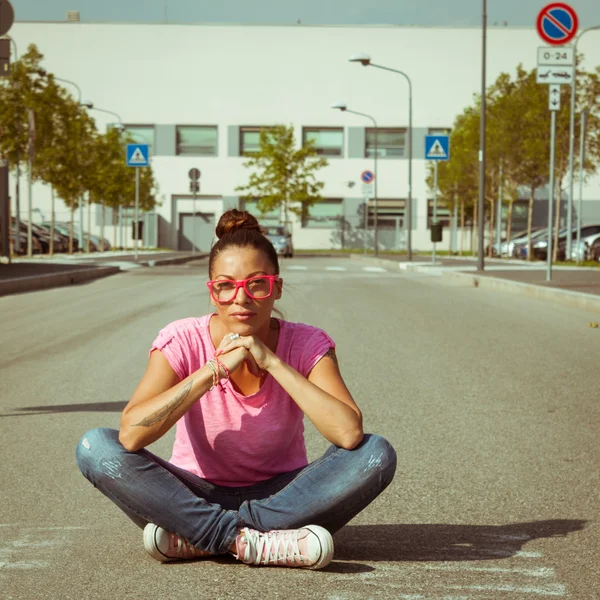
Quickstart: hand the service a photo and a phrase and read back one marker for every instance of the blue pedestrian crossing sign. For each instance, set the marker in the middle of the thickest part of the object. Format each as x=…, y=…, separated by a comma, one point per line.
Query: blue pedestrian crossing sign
x=138, y=155
x=437, y=147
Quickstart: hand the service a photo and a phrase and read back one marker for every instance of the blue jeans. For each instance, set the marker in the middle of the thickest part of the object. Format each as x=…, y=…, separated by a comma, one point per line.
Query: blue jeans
x=329, y=491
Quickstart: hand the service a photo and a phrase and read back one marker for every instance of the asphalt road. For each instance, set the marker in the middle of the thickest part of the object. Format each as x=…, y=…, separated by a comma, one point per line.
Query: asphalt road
x=490, y=399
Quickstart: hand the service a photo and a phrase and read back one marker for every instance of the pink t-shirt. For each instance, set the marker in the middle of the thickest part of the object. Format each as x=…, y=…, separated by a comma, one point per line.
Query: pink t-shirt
x=230, y=439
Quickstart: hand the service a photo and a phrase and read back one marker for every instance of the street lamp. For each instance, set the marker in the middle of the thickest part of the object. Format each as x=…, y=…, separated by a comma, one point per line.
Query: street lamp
x=71, y=83
x=341, y=106
x=572, y=140
x=121, y=128
x=365, y=60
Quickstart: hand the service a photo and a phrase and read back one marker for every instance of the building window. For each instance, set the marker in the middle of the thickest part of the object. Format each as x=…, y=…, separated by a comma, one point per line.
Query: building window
x=196, y=140
x=439, y=131
x=141, y=134
x=323, y=214
x=391, y=143
x=444, y=216
x=272, y=217
x=328, y=141
x=250, y=139
x=390, y=213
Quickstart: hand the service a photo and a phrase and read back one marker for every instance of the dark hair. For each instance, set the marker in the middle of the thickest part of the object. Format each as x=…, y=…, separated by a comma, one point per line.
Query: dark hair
x=237, y=228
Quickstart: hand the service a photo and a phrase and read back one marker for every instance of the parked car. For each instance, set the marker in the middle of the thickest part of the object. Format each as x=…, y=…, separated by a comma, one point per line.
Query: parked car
x=63, y=229
x=588, y=234
x=593, y=252
x=36, y=246
x=96, y=243
x=64, y=239
x=42, y=236
x=520, y=245
x=506, y=247
x=587, y=231
x=281, y=239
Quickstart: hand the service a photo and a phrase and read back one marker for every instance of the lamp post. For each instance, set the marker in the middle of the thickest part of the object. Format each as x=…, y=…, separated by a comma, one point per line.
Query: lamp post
x=584, y=118
x=91, y=106
x=341, y=106
x=365, y=60
x=17, y=178
x=572, y=140
x=482, y=144
x=80, y=203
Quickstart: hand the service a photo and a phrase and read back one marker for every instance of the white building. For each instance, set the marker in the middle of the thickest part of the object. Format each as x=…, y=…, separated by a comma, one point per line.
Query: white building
x=198, y=93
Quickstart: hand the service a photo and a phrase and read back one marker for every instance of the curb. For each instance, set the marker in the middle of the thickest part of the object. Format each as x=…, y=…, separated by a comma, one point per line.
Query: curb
x=171, y=261
x=383, y=262
x=51, y=280
x=555, y=296
x=549, y=294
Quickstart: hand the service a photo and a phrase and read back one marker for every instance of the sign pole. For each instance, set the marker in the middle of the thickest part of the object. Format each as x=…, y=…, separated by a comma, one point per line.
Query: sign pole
x=137, y=204
x=584, y=118
x=499, y=211
x=551, y=195
x=194, y=222
x=5, y=233
x=434, y=217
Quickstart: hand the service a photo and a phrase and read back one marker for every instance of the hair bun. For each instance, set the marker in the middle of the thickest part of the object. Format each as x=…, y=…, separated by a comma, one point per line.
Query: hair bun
x=235, y=220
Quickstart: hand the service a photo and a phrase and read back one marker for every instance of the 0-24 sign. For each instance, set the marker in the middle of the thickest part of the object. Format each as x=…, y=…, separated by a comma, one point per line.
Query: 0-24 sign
x=555, y=56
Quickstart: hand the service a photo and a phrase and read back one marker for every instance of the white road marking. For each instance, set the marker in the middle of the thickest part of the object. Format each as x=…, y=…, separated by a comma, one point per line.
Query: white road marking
x=24, y=564
x=296, y=268
x=539, y=572
x=375, y=269
x=524, y=554
x=335, y=268
x=553, y=589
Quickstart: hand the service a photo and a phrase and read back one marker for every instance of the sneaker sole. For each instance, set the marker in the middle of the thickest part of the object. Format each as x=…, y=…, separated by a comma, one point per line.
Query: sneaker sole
x=326, y=542
x=150, y=545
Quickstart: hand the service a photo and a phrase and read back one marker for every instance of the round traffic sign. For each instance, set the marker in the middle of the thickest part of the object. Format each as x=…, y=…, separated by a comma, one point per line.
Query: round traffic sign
x=367, y=176
x=194, y=174
x=7, y=16
x=557, y=23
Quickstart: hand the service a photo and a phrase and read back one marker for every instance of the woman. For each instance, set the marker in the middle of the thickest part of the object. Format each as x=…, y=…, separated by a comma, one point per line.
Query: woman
x=238, y=382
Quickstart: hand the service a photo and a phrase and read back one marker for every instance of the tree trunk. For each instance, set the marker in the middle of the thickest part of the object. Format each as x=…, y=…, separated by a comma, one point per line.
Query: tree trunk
x=89, y=225
x=462, y=226
x=51, y=250
x=115, y=216
x=509, y=225
x=102, y=226
x=474, y=230
x=492, y=220
x=529, y=221
x=71, y=230
x=557, y=222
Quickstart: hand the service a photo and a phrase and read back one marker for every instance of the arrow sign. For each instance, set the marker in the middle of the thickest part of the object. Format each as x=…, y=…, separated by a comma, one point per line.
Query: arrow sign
x=554, y=97
x=552, y=75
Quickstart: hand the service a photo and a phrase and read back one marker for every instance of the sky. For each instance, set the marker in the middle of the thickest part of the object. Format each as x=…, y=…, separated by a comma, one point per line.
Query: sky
x=521, y=13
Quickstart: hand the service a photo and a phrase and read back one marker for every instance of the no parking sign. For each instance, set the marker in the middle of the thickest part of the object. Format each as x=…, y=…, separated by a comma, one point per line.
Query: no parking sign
x=557, y=23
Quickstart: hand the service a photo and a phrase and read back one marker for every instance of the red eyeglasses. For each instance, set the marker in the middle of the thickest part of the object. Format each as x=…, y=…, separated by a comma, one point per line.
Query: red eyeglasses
x=257, y=288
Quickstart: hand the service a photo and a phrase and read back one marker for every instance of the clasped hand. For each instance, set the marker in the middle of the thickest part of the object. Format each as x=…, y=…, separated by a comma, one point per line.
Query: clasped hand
x=246, y=348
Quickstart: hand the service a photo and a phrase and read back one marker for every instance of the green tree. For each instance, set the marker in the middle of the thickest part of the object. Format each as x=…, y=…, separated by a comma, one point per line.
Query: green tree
x=284, y=177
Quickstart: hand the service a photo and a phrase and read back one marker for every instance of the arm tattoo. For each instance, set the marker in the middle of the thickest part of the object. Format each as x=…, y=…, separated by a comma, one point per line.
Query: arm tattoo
x=165, y=411
x=331, y=354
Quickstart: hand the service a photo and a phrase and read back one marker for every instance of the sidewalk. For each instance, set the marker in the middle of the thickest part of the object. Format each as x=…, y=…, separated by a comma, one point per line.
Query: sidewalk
x=29, y=274
x=578, y=287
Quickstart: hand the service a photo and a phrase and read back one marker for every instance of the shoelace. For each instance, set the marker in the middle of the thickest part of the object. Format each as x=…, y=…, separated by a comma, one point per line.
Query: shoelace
x=182, y=547
x=267, y=544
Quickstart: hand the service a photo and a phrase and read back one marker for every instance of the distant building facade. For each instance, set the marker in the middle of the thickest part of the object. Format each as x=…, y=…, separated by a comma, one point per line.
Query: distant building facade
x=199, y=94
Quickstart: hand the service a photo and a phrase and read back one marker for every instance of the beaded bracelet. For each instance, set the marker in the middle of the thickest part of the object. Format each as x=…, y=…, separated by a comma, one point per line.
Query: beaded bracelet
x=220, y=364
x=215, y=374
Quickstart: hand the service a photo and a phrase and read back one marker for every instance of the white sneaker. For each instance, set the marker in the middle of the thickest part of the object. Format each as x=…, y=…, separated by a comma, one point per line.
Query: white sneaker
x=310, y=547
x=165, y=546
